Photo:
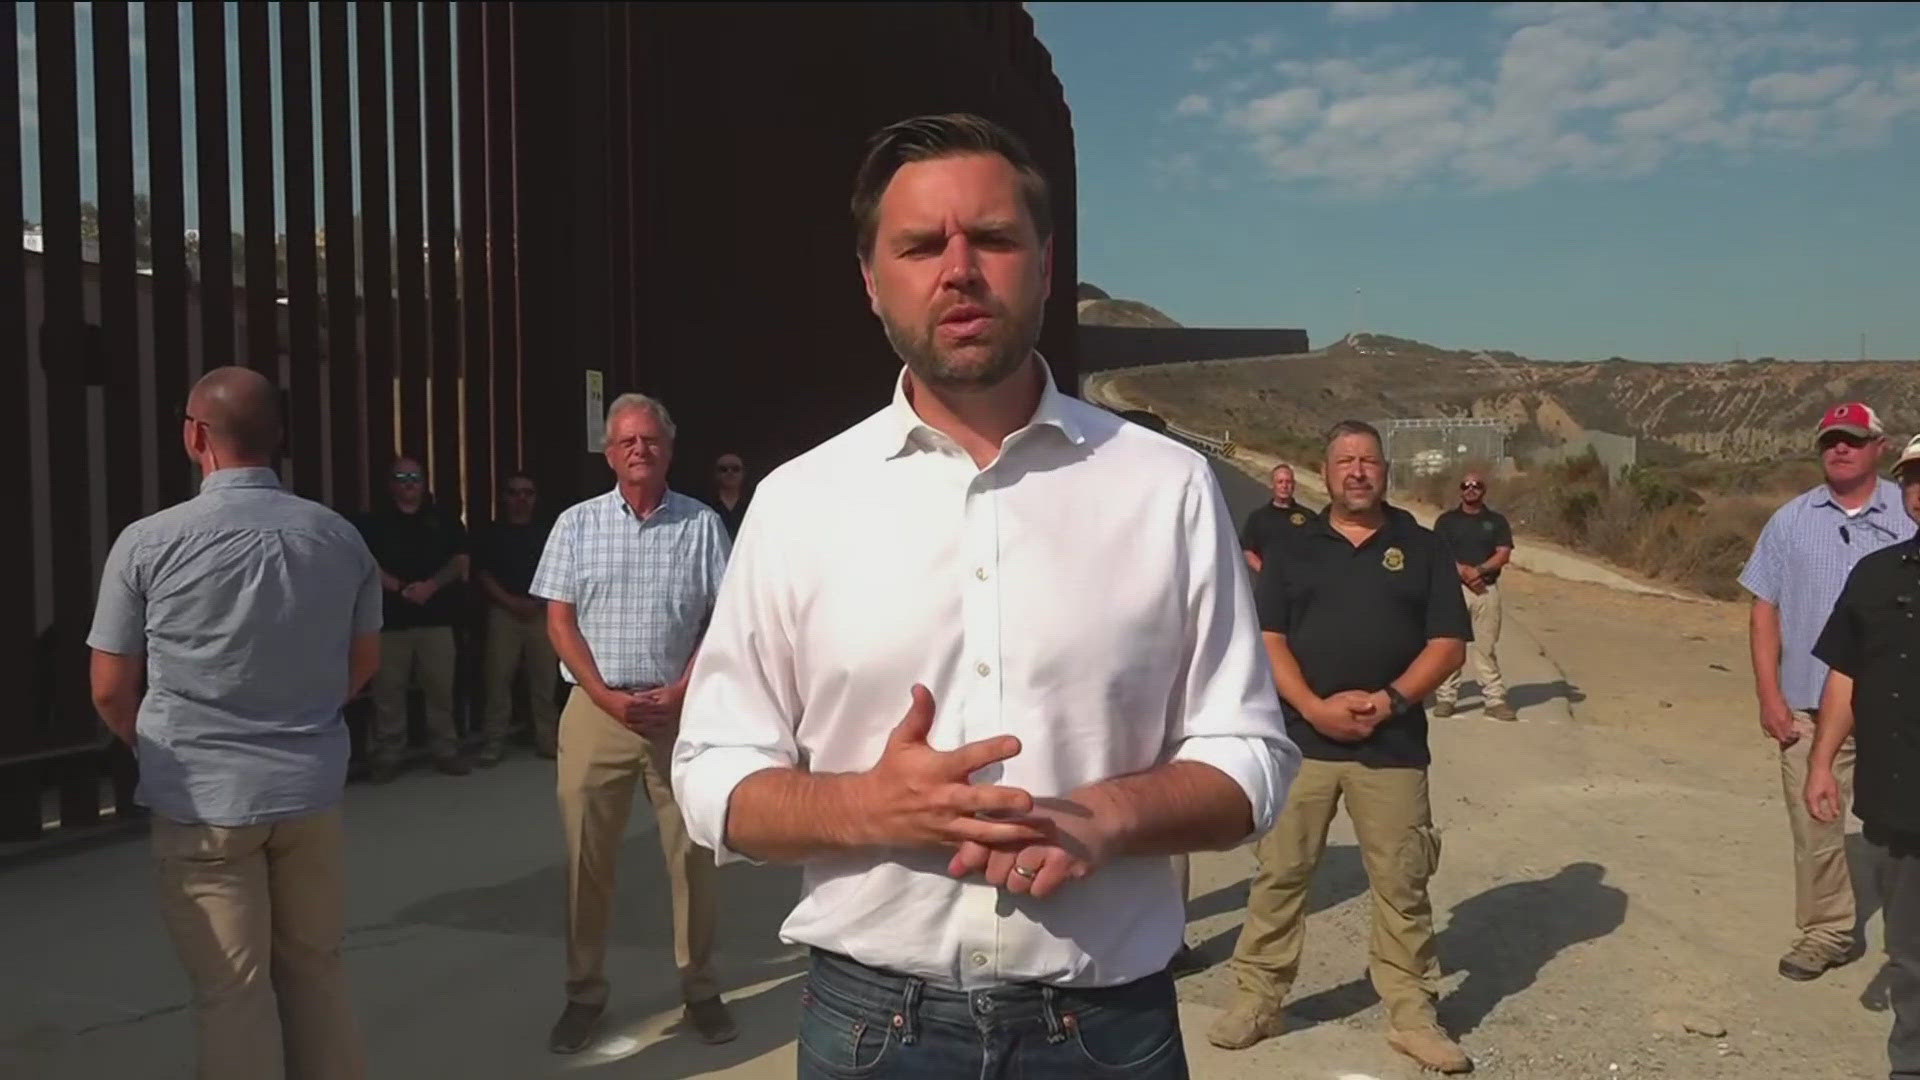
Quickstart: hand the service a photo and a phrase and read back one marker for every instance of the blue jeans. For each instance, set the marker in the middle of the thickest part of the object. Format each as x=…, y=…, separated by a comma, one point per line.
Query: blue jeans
x=861, y=1023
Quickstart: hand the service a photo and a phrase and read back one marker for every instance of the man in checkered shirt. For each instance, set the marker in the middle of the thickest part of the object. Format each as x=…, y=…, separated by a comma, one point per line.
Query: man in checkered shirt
x=1795, y=574
x=630, y=579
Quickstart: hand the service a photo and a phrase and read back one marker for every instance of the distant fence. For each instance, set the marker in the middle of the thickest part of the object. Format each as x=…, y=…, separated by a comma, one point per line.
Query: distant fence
x=1110, y=348
x=1221, y=447
x=1432, y=446
x=1616, y=452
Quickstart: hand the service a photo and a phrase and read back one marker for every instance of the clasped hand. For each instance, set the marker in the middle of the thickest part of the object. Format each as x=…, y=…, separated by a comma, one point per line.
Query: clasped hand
x=920, y=797
x=1350, y=715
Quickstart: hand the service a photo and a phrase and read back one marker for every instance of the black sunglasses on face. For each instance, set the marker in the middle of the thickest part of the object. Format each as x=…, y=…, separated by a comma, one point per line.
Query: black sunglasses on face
x=1471, y=486
x=409, y=477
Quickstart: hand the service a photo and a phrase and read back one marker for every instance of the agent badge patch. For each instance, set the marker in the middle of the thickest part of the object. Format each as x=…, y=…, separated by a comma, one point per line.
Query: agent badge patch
x=1394, y=559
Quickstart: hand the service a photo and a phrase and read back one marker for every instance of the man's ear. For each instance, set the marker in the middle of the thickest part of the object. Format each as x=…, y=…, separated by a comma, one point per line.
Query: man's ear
x=866, y=278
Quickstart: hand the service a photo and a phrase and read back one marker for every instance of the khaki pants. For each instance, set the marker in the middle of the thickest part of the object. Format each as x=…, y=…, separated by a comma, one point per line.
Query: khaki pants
x=426, y=651
x=1484, y=609
x=510, y=642
x=1823, y=906
x=1400, y=852
x=257, y=915
x=601, y=760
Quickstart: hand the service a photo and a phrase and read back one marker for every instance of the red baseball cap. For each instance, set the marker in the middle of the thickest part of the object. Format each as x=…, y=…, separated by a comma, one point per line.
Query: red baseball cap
x=1854, y=418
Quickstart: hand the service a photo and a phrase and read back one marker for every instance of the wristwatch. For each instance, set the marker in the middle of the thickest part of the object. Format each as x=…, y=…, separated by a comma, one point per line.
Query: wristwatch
x=1396, y=699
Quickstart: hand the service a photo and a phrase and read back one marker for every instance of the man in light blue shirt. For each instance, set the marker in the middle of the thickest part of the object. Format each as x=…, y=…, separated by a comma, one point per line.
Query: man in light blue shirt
x=1795, y=575
x=229, y=633
x=630, y=578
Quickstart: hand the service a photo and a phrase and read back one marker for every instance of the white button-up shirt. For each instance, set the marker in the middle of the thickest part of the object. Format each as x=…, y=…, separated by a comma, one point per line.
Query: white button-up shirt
x=1084, y=592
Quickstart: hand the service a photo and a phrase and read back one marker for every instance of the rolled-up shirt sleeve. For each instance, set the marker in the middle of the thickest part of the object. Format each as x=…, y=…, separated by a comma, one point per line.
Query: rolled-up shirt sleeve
x=743, y=703
x=1226, y=711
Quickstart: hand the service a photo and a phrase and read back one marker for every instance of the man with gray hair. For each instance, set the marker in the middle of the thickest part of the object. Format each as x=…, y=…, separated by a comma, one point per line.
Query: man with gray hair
x=630, y=578
x=230, y=632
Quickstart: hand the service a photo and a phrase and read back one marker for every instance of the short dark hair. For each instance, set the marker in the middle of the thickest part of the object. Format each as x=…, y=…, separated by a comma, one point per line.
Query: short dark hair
x=518, y=474
x=928, y=138
x=1354, y=427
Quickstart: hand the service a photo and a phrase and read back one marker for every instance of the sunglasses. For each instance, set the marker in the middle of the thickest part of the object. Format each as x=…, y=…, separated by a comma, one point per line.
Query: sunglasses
x=1472, y=486
x=410, y=477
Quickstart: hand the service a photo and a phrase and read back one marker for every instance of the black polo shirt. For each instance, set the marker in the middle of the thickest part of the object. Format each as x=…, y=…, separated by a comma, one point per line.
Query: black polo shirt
x=1356, y=618
x=414, y=547
x=1873, y=636
x=732, y=516
x=511, y=553
x=1269, y=527
x=1472, y=537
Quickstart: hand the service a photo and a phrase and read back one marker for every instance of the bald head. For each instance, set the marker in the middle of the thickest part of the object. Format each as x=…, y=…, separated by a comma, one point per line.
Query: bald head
x=241, y=410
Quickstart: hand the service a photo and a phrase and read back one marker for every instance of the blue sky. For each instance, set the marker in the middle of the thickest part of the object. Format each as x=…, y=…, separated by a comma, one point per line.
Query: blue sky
x=83, y=35
x=1662, y=182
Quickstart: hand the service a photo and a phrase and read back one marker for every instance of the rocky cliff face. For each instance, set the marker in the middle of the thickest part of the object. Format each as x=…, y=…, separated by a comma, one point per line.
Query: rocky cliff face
x=1731, y=411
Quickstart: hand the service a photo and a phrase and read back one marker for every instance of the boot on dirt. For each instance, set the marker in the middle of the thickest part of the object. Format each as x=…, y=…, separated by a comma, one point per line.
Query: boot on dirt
x=1810, y=959
x=1503, y=711
x=1249, y=1021
x=1432, y=1049
x=1441, y=710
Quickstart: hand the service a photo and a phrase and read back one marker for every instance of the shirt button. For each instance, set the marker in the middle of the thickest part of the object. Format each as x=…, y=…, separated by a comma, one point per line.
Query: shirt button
x=981, y=573
x=983, y=669
x=979, y=959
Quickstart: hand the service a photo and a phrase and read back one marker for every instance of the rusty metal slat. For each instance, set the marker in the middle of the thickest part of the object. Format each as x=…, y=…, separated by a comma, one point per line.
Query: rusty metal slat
x=256, y=178
x=119, y=303
x=19, y=623
x=471, y=105
x=411, y=362
x=166, y=164
x=303, y=288
x=62, y=359
x=216, y=203
x=346, y=406
x=443, y=295
x=503, y=267
x=376, y=243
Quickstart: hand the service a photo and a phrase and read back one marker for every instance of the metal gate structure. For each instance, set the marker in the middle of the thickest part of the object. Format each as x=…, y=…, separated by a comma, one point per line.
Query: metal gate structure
x=437, y=225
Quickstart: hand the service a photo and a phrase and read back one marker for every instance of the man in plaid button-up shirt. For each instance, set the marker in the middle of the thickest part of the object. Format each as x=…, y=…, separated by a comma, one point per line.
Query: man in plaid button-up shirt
x=630, y=579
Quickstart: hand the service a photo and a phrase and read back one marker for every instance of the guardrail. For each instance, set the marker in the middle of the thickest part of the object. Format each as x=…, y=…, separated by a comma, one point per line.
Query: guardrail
x=1221, y=447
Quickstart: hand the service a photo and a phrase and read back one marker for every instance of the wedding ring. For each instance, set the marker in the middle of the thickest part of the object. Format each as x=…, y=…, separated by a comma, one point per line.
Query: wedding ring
x=1024, y=872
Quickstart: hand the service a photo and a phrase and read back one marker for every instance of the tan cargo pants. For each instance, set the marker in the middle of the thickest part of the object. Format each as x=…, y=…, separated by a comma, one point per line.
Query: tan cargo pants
x=601, y=760
x=1823, y=904
x=257, y=915
x=1484, y=609
x=426, y=652
x=511, y=643
x=1400, y=851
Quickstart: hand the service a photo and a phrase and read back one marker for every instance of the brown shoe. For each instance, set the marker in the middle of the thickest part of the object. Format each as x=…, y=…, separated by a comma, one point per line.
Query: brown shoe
x=1441, y=710
x=711, y=1020
x=575, y=1028
x=1249, y=1021
x=453, y=766
x=1502, y=711
x=1810, y=959
x=1432, y=1049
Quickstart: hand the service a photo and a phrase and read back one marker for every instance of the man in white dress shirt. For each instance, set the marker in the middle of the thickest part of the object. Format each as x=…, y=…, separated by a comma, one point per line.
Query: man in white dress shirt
x=1055, y=600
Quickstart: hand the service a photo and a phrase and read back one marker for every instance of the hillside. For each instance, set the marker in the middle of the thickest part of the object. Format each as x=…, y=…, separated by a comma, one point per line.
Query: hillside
x=1726, y=411
x=1097, y=308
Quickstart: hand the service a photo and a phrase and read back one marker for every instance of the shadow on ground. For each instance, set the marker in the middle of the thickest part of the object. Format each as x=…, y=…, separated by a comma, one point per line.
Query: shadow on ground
x=767, y=1019
x=1527, y=694
x=1339, y=879
x=1502, y=939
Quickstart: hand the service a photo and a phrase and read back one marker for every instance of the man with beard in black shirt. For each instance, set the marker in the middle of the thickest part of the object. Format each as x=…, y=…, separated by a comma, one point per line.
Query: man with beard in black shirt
x=505, y=557
x=1871, y=646
x=1482, y=543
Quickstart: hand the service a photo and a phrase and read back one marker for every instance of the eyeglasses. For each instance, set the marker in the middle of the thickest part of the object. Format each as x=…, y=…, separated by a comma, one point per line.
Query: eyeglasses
x=1472, y=485
x=409, y=477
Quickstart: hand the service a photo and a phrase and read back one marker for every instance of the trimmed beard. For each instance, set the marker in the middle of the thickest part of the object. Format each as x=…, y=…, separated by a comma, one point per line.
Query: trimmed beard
x=938, y=369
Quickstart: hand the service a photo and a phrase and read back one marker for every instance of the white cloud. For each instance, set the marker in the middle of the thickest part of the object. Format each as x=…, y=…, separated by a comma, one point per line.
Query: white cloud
x=1570, y=89
x=1356, y=11
x=1194, y=105
x=1803, y=87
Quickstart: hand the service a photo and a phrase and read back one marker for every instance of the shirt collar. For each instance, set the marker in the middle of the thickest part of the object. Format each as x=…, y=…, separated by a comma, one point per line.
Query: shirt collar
x=668, y=501
x=902, y=429
x=1823, y=496
x=258, y=476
